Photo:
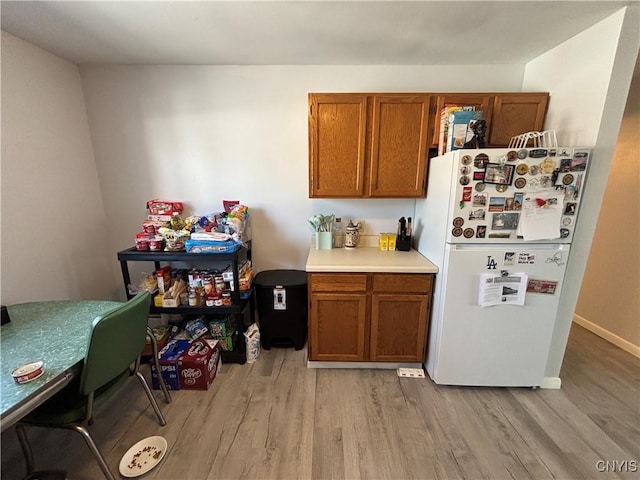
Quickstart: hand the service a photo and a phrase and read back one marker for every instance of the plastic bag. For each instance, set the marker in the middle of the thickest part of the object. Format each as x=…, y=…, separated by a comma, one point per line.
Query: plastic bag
x=252, y=338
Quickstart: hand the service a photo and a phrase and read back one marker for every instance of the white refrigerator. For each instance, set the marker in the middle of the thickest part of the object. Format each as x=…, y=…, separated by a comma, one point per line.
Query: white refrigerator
x=498, y=223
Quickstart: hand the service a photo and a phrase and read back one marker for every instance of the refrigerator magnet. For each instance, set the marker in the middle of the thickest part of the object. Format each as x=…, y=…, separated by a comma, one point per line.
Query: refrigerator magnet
x=564, y=232
x=465, y=170
x=534, y=170
x=469, y=232
x=481, y=231
x=480, y=187
x=579, y=161
x=508, y=204
x=538, y=153
x=567, y=179
x=466, y=194
x=570, y=208
x=498, y=174
x=466, y=160
x=479, y=200
x=546, y=181
x=565, y=165
x=542, y=286
x=565, y=152
x=465, y=180
x=505, y=221
x=496, y=204
x=547, y=166
x=534, y=184
x=566, y=221
x=522, y=168
x=520, y=182
x=481, y=160
x=477, y=214
x=458, y=222
x=501, y=188
x=478, y=176
x=509, y=257
x=523, y=153
x=517, y=200
x=456, y=232
x=512, y=156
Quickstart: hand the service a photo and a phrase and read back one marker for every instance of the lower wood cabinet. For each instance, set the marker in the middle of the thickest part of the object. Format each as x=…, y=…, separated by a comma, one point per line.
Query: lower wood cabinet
x=375, y=317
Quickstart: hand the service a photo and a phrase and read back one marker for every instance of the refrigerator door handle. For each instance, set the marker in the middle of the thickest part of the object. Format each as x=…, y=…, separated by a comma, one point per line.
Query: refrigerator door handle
x=511, y=246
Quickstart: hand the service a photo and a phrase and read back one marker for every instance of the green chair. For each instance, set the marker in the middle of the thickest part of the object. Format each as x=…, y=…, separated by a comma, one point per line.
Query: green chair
x=113, y=354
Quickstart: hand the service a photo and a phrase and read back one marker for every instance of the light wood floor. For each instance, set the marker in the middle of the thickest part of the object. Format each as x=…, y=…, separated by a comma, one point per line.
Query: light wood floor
x=276, y=419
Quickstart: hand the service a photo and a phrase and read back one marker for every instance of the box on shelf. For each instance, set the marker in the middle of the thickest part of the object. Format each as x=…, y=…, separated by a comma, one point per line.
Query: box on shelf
x=221, y=326
x=164, y=207
x=157, y=300
x=227, y=343
x=196, y=327
x=168, y=359
x=161, y=334
x=199, y=364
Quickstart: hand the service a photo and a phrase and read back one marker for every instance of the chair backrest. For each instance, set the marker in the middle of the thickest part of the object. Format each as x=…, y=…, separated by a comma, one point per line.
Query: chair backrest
x=116, y=341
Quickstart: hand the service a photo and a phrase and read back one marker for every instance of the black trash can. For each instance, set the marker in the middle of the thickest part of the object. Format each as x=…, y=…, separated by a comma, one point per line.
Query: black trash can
x=282, y=307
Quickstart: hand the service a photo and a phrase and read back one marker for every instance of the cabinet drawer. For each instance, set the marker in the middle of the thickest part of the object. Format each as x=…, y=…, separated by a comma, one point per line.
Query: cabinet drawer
x=338, y=282
x=403, y=283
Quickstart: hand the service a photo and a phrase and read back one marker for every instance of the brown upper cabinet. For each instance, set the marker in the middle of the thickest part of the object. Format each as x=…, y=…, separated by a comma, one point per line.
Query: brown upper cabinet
x=516, y=113
x=507, y=114
x=368, y=145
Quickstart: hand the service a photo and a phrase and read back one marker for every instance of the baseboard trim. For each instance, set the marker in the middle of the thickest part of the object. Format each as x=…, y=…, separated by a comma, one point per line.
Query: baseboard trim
x=608, y=336
x=379, y=365
x=551, y=383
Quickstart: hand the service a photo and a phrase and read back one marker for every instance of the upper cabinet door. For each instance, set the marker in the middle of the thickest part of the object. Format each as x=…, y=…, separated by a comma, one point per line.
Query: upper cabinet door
x=399, y=145
x=337, y=132
x=516, y=114
x=482, y=102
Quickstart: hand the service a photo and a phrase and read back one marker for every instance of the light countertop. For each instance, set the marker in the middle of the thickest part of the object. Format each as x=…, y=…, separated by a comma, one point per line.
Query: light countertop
x=368, y=259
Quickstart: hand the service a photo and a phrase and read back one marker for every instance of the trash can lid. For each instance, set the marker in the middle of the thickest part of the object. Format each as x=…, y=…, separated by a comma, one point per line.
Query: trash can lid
x=285, y=278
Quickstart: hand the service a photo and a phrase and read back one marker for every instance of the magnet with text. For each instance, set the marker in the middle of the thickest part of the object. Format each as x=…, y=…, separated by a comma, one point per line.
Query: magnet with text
x=466, y=194
x=542, y=286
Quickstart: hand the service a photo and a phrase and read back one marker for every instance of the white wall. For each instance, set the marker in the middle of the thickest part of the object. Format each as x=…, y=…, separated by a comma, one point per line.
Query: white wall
x=53, y=223
x=202, y=134
x=588, y=77
x=606, y=304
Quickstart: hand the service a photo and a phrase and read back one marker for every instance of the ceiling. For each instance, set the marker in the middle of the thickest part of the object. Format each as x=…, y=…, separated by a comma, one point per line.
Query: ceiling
x=300, y=32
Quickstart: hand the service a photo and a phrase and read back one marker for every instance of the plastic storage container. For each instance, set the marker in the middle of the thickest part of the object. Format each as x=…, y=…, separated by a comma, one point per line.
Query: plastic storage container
x=282, y=307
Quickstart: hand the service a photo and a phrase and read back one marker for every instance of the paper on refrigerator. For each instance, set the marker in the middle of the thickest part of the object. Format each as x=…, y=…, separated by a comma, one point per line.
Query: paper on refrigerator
x=498, y=289
x=540, y=217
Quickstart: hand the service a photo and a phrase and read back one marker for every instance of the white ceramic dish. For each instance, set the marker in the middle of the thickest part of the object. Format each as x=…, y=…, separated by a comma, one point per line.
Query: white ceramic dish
x=143, y=456
x=28, y=372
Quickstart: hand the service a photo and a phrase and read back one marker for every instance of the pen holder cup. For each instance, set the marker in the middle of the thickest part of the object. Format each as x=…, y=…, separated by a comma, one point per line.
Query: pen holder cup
x=403, y=244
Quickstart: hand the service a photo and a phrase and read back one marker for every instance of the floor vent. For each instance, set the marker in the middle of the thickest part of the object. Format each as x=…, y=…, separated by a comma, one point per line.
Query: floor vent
x=411, y=372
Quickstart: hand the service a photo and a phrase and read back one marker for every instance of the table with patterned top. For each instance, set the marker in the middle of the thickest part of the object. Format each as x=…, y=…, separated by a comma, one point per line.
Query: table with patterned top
x=56, y=333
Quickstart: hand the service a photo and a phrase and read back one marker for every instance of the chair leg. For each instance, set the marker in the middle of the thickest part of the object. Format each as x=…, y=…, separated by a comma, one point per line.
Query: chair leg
x=94, y=449
x=152, y=399
x=25, y=447
x=156, y=363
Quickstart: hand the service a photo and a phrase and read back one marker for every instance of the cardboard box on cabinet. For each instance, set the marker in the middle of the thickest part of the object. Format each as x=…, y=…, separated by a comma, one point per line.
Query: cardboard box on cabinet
x=199, y=364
